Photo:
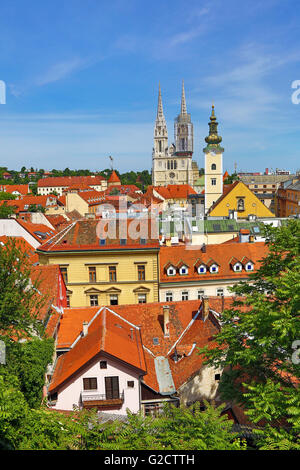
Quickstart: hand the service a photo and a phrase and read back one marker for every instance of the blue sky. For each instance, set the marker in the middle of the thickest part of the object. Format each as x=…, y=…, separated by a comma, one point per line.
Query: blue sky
x=82, y=80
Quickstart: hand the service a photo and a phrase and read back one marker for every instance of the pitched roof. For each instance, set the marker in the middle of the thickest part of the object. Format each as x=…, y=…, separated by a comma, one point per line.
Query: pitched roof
x=106, y=333
x=219, y=253
x=187, y=331
x=86, y=234
x=174, y=191
x=51, y=285
x=66, y=181
x=23, y=189
x=40, y=232
x=24, y=246
x=114, y=178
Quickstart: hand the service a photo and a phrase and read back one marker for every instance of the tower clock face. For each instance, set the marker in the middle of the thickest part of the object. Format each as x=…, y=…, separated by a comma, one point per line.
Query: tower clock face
x=172, y=175
x=213, y=153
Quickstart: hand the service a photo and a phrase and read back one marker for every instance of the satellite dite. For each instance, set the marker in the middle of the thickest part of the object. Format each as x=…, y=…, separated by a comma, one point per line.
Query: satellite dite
x=2, y=92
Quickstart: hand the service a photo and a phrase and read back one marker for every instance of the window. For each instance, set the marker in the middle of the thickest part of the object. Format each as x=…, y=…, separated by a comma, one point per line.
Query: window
x=92, y=274
x=217, y=376
x=113, y=299
x=103, y=365
x=200, y=294
x=220, y=292
x=142, y=298
x=202, y=269
x=171, y=271
x=237, y=267
x=90, y=383
x=141, y=272
x=183, y=270
x=68, y=301
x=123, y=241
x=64, y=273
x=130, y=384
x=241, y=204
x=214, y=268
x=102, y=241
x=112, y=273
x=93, y=300
x=184, y=295
x=213, y=167
x=213, y=181
x=112, y=387
x=169, y=297
x=249, y=267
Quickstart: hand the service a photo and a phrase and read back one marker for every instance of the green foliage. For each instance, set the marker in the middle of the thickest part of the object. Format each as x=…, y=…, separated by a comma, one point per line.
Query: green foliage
x=176, y=429
x=4, y=196
x=19, y=304
x=255, y=345
x=6, y=211
x=28, y=362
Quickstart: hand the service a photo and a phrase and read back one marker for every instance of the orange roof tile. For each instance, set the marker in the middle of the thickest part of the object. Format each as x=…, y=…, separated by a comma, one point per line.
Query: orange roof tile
x=114, y=178
x=107, y=333
x=221, y=254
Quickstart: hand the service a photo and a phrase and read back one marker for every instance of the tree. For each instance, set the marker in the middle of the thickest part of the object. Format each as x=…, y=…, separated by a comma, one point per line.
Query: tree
x=6, y=211
x=256, y=341
x=4, y=196
x=19, y=303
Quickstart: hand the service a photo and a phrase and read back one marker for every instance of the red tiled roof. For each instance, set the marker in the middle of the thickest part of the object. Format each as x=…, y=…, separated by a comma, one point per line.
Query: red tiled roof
x=187, y=331
x=40, y=232
x=114, y=178
x=66, y=181
x=86, y=234
x=107, y=333
x=174, y=191
x=24, y=246
x=221, y=254
x=23, y=189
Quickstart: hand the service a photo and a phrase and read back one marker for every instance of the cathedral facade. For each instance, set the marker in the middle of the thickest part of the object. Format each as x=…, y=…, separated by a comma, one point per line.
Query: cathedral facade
x=173, y=164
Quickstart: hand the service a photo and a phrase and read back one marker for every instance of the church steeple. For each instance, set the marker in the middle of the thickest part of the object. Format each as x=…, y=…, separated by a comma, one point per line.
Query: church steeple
x=160, y=129
x=184, y=133
x=160, y=113
x=183, y=102
x=213, y=140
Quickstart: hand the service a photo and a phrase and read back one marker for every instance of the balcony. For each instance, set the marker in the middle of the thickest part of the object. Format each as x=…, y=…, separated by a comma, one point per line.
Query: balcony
x=92, y=399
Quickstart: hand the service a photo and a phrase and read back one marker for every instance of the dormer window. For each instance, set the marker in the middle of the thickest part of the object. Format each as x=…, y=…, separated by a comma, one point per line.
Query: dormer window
x=171, y=271
x=249, y=267
x=237, y=267
x=183, y=270
x=202, y=269
x=214, y=268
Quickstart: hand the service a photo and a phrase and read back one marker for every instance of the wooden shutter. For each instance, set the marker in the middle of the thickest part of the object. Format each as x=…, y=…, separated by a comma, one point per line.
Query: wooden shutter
x=112, y=387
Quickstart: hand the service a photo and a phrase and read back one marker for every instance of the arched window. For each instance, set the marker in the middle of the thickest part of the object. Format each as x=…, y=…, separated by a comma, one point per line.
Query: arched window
x=214, y=166
x=241, y=205
x=175, y=164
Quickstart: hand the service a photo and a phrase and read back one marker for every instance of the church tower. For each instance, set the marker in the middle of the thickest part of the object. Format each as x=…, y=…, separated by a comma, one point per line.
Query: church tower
x=213, y=163
x=184, y=132
x=173, y=164
x=160, y=149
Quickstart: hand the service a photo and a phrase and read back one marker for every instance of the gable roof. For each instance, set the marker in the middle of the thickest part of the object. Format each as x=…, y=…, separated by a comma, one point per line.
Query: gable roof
x=107, y=333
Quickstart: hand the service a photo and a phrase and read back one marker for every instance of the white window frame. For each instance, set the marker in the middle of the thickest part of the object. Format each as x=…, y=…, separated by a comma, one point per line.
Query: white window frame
x=216, y=270
x=173, y=269
x=200, y=267
x=169, y=294
x=186, y=270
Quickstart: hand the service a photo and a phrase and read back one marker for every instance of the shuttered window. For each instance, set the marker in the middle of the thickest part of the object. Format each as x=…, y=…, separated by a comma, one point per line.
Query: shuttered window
x=112, y=387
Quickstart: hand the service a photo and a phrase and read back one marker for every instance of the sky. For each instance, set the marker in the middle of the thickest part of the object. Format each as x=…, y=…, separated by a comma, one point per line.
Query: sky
x=82, y=80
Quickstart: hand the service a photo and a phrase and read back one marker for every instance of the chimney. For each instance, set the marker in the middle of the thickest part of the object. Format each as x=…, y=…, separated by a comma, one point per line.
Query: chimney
x=203, y=248
x=205, y=307
x=85, y=328
x=166, y=311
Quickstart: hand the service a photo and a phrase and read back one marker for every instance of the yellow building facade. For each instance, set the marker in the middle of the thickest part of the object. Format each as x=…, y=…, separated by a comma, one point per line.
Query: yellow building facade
x=238, y=197
x=104, y=275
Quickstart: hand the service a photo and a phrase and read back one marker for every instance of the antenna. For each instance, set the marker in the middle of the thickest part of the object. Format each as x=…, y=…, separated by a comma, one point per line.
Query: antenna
x=112, y=162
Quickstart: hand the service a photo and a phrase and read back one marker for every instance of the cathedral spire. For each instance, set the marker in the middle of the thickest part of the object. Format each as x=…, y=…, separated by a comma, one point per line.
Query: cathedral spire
x=160, y=113
x=183, y=102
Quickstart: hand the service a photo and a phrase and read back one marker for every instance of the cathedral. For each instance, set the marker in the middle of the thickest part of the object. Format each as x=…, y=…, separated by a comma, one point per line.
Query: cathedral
x=173, y=164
